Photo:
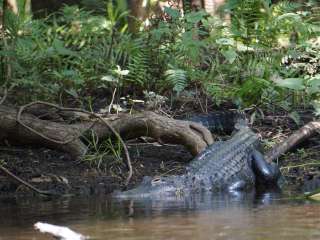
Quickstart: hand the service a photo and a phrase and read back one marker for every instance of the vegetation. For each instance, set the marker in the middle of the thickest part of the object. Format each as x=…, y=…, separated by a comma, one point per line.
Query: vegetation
x=266, y=55
x=256, y=54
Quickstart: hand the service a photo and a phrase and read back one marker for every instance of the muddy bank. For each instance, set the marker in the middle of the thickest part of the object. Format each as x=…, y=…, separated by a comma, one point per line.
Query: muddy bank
x=51, y=170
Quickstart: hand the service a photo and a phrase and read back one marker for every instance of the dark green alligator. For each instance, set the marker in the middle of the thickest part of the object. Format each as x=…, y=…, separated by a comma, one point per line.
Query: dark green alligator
x=218, y=121
x=231, y=165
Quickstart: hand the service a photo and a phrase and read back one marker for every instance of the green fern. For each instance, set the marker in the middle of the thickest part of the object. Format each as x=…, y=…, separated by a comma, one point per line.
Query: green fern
x=177, y=78
x=139, y=67
x=286, y=6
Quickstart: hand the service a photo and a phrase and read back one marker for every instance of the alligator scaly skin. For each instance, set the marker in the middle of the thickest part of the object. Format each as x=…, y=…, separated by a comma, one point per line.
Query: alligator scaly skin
x=218, y=121
x=225, y=163
x=222, y=166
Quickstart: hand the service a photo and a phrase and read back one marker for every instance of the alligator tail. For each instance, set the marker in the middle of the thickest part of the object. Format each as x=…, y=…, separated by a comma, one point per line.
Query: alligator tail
x=221, y=121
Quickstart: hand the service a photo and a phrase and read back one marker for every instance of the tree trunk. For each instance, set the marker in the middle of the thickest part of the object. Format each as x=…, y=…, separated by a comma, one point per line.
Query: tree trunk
x=211, y=6
x=11, y=5
x=27, y=7
x=137, y=13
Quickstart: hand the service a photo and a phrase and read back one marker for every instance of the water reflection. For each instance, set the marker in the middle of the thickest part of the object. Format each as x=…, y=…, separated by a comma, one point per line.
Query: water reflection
x=204, y=216
x=197, y=202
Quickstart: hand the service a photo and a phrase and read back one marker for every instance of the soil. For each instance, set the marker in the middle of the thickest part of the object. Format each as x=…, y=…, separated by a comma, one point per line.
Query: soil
x=51, y=170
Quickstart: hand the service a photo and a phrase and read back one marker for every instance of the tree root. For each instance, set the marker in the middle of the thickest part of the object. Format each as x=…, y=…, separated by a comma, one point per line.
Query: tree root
x=20, y=127
x=62, y=109
x=33, y=188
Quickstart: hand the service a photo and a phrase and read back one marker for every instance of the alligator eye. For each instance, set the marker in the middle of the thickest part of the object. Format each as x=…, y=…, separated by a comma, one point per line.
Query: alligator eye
x=156, y=180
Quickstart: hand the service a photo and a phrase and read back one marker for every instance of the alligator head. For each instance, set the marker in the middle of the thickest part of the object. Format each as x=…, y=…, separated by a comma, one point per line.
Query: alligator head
x=156, y=186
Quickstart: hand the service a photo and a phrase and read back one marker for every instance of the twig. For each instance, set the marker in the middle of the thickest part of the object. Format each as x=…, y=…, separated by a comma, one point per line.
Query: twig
x=22, y=108
x=300, y=165
x=112, y=100
x=10, y=174
x=199, y=100
x=129, y=165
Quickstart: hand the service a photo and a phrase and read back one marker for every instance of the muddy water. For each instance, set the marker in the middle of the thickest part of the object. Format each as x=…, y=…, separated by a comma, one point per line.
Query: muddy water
x=248, y=216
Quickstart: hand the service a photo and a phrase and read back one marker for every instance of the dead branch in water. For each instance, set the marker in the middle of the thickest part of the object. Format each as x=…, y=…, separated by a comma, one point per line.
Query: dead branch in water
x=59, y=232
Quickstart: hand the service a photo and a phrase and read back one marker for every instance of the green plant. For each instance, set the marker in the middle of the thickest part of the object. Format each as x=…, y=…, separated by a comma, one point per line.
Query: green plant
x=104, y=154
x=76, y=51
x=2, y=162
x=65, y=53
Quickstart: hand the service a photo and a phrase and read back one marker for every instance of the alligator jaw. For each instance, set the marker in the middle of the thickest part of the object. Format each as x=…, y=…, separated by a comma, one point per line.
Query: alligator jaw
x=150, y=187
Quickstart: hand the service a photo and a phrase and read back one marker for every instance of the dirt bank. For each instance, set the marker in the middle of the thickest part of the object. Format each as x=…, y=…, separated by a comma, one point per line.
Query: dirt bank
x=51, y=170
x=47, y=169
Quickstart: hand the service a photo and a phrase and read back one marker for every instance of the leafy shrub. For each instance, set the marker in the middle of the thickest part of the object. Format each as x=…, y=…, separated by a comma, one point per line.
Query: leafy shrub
x=75, y=51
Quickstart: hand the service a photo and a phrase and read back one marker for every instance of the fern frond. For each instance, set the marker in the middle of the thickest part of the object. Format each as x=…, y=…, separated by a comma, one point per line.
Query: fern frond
x=139, y=67
x=177, y=78
x=286, y=6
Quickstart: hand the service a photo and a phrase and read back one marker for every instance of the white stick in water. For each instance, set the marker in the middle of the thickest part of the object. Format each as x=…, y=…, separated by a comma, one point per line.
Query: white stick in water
x=60, y=232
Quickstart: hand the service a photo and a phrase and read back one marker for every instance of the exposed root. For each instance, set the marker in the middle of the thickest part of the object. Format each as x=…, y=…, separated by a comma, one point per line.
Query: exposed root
x=21, y=127
x=23, y=108
x=33, y=188
x=63, y=109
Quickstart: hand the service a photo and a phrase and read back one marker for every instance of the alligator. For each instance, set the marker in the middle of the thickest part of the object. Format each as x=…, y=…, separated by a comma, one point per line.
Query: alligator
x=232, y=165
x=218, y=121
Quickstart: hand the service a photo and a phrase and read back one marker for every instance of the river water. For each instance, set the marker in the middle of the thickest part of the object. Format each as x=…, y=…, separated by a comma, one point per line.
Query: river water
x=233, y=216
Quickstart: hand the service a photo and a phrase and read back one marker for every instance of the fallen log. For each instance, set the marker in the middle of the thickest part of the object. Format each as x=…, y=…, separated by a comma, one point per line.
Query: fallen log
x=68, y=137
x=293, y=140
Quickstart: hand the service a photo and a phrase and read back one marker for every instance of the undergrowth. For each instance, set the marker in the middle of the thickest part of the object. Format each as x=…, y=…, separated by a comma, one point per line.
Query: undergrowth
x=259, y=54
x=105, y=155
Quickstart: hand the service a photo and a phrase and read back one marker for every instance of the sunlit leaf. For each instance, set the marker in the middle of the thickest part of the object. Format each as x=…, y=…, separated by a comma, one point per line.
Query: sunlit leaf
x=195, y=17
x=292, y=16
x=61, y=50
x=173, y=13
x=316, y=106
x=121, y=72
x=72, y=92
x=314, y=85
x=109, y=78
x=230, y=55
x=295, y=117
x=291, y=83
x=225, y=41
